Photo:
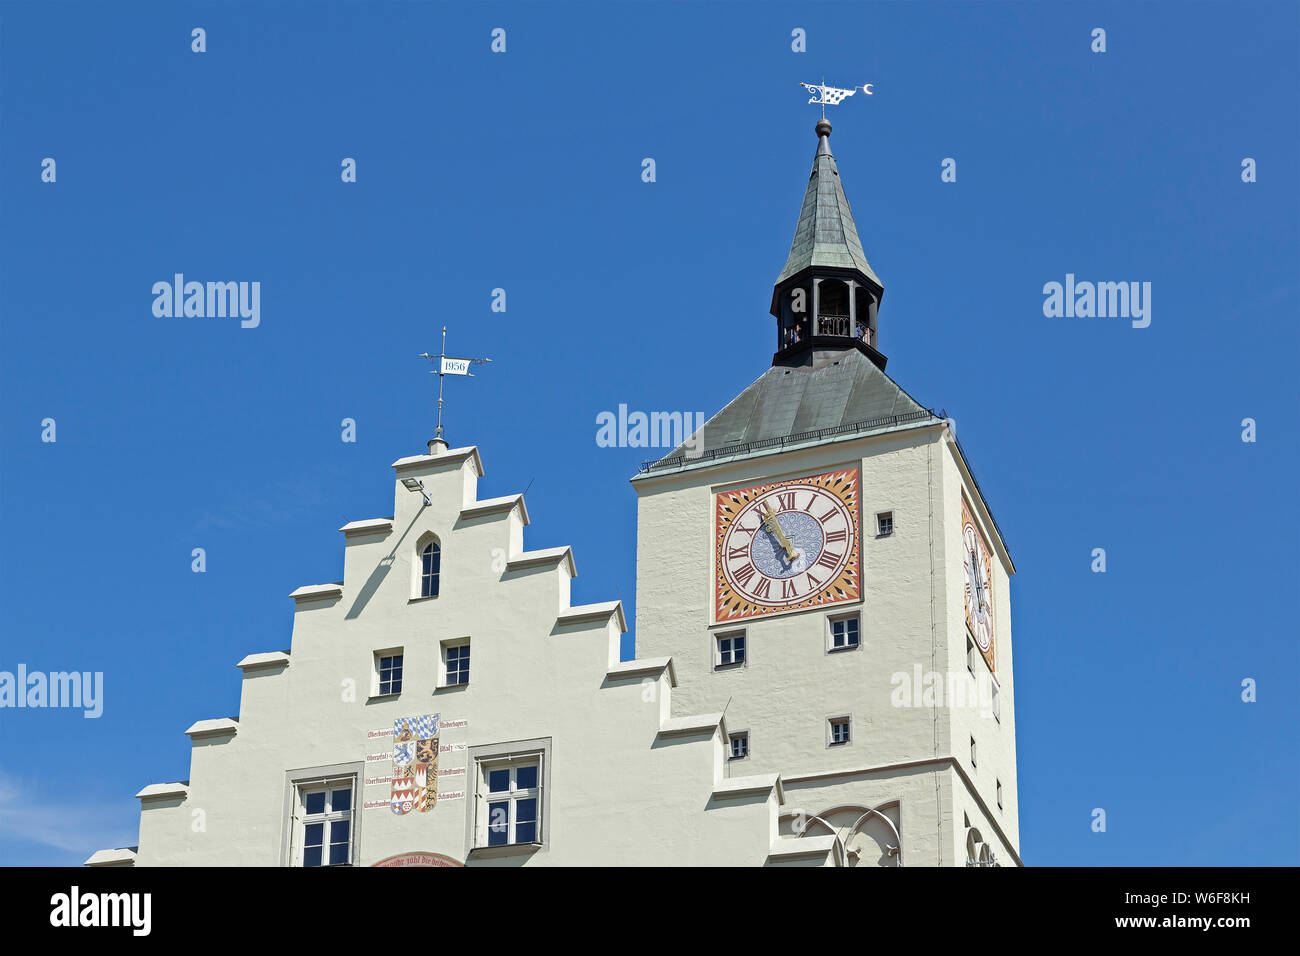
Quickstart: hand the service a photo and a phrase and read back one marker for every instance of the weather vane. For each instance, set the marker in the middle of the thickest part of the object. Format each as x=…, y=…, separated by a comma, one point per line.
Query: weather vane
x=825, y=96
x=446, y=365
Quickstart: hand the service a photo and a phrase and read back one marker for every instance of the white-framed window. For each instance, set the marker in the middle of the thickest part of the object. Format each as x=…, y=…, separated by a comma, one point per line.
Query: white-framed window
x=973, y=762
x=839, y=731
x=997, y=702
x=455, y=663
x=845, y=632
x=430, y=569
x=740, y=745
x=731, y=649
x=885, y=524
x=999, y=794
x=388, y=672
x=323, y=824
x=512, y=801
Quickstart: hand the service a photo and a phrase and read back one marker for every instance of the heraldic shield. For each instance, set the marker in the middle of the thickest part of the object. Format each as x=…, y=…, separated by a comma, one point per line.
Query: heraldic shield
x=415, y=764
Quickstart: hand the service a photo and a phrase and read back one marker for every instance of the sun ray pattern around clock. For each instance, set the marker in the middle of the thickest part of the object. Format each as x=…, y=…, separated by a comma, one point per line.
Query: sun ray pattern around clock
x=787, y=546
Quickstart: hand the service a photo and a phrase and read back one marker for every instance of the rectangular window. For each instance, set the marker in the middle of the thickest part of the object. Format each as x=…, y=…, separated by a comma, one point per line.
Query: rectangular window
x=972, y=752
x=512, y=795
x=731, y=649
x=999, y=794
x=970, y=656
x=885, y=523
x=389, y=666
x=997, y=703
x=839, y=730
x=844, y=633
x=740, y=745
x=455, y=664
x=324, y=826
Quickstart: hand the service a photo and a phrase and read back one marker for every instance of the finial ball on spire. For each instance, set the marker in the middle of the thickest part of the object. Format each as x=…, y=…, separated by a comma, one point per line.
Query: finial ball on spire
x=823, y=127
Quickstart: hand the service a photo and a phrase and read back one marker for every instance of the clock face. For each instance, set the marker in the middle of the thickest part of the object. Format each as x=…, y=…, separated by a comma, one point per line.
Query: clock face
x=787, y=546
x=977, y=574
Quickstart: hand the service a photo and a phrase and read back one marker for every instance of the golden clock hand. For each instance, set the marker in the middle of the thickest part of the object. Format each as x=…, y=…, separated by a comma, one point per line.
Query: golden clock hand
x=774, y=528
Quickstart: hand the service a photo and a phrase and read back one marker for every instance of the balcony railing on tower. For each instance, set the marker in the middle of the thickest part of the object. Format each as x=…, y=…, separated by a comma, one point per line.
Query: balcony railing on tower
x=838, y=325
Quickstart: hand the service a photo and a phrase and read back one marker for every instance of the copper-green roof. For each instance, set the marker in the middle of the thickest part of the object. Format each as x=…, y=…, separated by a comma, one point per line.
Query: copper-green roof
x=826, y=234
x=832, y=391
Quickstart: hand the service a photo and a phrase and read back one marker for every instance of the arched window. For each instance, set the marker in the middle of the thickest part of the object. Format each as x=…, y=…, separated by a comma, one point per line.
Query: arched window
x=430, y=566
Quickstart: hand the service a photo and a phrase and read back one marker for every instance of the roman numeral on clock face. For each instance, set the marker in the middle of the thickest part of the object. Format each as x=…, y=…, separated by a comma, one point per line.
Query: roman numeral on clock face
x=743, y=575
x=841, y=535
x=785, y=502
x=735, y=554
x=829, y=561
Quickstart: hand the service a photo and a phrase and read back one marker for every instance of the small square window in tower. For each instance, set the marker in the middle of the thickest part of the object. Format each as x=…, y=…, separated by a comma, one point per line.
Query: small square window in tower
x=731, y=649
x=839, y=731
x=740, y=745
x=845, y=633
x=885, y=523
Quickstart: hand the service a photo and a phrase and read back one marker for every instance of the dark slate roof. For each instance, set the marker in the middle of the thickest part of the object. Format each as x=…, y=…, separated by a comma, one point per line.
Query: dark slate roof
x=828, y=389
x=826, y=234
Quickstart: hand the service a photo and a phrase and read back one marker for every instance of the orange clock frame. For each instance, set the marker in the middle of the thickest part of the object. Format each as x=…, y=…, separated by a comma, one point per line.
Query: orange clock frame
x=834, y=496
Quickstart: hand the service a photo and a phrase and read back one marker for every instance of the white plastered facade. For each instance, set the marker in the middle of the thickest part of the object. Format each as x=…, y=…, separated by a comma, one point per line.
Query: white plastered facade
x=635, y=754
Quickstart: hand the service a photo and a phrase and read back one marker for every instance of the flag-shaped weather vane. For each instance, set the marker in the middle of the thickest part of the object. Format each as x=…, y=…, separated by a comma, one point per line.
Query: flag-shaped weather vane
x=825, y=96
x=446, y=365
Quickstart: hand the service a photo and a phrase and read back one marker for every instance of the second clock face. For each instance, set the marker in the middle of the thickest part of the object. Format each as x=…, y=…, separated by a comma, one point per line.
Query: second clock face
x=977, y=570
x=787, y=545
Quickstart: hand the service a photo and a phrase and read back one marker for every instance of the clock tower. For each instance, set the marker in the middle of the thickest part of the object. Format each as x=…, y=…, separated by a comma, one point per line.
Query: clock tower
x=825, y=573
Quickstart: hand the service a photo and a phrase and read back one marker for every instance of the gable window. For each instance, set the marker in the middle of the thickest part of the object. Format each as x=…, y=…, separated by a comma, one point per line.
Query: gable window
x=839, y=730
x=731, y=649
x=513, y=801
x=740, y=745
x=455, y=663
x=845, y=633
x=430, y=568
x=885, y=523
x=324, y=826
x=388, y=665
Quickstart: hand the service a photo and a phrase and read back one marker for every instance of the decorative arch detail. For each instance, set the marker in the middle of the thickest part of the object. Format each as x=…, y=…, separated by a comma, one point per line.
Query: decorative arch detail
x=867, y=836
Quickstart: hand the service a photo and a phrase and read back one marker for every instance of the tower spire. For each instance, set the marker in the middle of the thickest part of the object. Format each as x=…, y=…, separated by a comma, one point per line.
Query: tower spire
x=827, y=295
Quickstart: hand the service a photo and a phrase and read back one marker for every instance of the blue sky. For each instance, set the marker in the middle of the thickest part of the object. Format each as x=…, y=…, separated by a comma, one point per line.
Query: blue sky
x=523, y=171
